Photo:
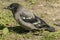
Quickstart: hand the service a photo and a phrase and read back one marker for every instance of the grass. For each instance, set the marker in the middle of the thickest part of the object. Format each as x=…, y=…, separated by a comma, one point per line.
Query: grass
x=52, y=1
x=10, y=29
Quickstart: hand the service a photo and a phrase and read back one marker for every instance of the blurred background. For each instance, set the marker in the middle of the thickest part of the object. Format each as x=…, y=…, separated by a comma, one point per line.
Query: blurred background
x=48, y=10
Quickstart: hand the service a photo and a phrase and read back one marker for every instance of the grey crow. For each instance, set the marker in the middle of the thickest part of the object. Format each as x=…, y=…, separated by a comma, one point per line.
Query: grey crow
x=27, y=19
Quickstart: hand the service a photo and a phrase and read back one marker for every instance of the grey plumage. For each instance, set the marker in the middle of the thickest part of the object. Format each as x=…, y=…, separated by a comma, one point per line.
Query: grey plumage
x=27, y=19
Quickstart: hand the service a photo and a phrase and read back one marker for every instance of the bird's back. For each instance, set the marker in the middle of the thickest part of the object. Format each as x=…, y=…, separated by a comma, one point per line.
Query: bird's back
x=26, y=12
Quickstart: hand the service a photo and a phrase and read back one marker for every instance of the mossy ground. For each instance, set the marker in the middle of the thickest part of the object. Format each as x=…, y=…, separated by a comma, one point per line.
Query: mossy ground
x=46, y=9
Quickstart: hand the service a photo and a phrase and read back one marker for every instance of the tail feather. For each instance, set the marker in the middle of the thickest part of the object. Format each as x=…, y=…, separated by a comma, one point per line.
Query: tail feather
x=41, y=23
x=50, y=29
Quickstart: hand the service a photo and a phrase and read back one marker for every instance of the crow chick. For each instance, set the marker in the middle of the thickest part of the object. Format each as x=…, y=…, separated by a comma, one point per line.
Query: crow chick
x=28, y=19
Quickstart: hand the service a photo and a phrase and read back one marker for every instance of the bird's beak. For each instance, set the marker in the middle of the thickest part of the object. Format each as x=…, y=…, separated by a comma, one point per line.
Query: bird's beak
x=5, y=8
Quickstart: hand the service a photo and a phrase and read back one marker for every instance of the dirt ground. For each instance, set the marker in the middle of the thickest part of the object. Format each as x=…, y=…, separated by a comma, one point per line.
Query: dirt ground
x=48, y=10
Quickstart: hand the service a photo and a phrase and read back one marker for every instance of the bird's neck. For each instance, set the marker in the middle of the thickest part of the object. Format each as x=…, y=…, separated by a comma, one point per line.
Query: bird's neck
x=14, y=11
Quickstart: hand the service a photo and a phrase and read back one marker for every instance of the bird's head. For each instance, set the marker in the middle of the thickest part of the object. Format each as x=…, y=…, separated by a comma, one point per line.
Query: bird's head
x=13, y=7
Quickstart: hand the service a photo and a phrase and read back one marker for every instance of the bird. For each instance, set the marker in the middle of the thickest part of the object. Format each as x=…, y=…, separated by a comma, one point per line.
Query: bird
x=27, y=19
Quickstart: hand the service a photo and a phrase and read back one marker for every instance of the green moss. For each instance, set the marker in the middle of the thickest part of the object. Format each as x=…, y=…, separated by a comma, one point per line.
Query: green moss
x=57, y=19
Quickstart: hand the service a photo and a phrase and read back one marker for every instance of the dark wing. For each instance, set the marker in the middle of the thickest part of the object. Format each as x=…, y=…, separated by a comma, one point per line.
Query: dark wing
x=37, y=22
x=27, y=18
x=27, y=25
